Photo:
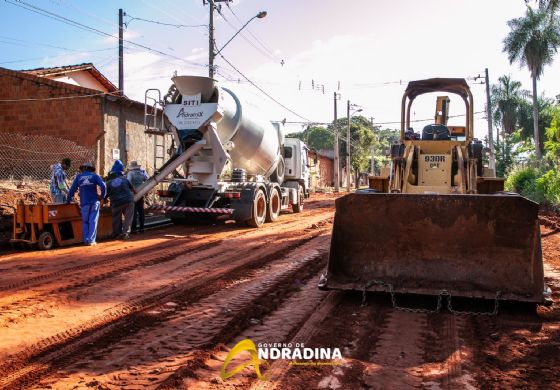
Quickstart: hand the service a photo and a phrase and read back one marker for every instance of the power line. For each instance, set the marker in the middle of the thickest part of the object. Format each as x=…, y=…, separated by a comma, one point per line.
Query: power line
x=24, y=43
x=162, y=23
x=62, y=19
x=234, y=28
x=427, y=119
x=263, y=91
x=171, y=15
x=47, y=56
x=266, y=48
x=80, y=10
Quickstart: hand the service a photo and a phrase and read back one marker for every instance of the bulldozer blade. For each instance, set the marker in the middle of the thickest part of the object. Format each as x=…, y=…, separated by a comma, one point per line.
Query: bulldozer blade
x=476, y=246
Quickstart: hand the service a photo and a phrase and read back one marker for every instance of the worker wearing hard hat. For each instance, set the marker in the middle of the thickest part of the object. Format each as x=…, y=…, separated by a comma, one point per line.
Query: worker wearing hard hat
x=58, y=186
x=121, y=194
x=137, y=176
x=87, y=182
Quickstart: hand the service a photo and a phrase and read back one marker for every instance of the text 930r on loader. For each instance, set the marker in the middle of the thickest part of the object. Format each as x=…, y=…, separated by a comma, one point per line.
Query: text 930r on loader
x=438, y=224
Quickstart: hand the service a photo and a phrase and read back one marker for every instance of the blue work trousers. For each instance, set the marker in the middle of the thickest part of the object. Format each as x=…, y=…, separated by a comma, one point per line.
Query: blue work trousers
x=90, y=216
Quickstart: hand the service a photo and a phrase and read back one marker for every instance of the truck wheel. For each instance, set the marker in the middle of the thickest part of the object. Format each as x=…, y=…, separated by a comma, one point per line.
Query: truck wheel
x=45, y=241
x=274, y=204
x=259, y=210
x=298, y=206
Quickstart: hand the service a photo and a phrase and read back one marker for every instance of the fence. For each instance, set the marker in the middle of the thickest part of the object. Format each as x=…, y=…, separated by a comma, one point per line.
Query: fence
x=31, y=156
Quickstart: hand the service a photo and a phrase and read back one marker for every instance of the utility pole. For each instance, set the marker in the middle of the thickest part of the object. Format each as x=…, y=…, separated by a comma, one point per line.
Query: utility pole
x=348, y=180
x=211, y=42
x=492, y=159
x=121, y=53
x=336, y=155
x=372, y=168
x=122, y=141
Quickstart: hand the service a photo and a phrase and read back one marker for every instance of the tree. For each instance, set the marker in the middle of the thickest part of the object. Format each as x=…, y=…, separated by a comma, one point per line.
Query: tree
x=552, y=144
x=361, y=140
x=505, y=99
x=525, y=119
x=533, y=41
x=550, y=6
x=505, y=153
x=384, y=138
x=316, y=137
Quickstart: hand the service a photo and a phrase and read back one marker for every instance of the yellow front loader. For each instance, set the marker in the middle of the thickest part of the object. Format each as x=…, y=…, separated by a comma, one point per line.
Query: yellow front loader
x=440, y=223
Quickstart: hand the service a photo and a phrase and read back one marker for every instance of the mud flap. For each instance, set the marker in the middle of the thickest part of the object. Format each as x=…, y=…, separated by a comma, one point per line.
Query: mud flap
x=469, y=245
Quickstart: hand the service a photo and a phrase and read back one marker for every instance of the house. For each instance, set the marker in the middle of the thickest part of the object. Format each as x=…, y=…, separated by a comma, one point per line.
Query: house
x=75, y=107
x=321, y=166
x=83, y=75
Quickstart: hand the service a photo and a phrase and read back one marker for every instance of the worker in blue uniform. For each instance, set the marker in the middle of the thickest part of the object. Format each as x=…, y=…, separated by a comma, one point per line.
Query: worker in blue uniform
x=87, y=182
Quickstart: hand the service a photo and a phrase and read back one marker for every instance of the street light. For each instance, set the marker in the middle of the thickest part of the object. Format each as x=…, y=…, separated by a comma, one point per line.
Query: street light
x=213, y=54
x=349, y=115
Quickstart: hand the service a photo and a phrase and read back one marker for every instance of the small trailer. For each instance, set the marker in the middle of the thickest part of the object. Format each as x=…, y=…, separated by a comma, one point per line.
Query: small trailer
x=48, y=225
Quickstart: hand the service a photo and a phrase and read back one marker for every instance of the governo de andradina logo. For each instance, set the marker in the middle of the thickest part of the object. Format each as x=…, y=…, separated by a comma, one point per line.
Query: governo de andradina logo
x=296, y=353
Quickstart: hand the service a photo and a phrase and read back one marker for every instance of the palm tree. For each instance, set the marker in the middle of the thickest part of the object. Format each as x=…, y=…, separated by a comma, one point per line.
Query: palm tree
x=533, y=41
x=550, y=6
x=505, y=98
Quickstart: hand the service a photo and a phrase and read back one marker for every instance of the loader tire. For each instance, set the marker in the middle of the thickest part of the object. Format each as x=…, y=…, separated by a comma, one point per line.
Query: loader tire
x=298, y=206
x=259, y=210
x=274, y=205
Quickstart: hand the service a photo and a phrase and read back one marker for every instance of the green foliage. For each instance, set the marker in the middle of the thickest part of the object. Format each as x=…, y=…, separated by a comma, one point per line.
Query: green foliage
x=505, y=98
x=505, y=155
x=525, y=117
x=384, y=139
x=316, y=137
x=552, y=132
x=524, y=182
x=533, y=40
x=549, y=185
x=361, y=140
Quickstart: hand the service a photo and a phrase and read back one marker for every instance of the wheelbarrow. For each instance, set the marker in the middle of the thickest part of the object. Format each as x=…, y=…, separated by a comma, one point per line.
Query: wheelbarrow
x=48, y=225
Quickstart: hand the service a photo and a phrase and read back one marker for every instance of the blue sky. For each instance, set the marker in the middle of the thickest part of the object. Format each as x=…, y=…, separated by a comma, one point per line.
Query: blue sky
x=365, y=49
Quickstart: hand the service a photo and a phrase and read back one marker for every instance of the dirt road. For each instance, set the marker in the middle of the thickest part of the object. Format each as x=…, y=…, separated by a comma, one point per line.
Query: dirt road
x=164, y=309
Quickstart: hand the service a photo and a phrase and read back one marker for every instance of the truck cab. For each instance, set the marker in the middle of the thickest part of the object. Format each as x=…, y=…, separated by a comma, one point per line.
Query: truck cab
x=296, y=163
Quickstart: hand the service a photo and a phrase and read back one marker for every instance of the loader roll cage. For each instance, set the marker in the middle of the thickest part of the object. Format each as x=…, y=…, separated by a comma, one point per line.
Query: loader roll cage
x=456, y=86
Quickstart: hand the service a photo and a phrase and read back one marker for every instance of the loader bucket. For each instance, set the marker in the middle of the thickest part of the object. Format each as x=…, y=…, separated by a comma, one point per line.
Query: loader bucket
x=468, y=245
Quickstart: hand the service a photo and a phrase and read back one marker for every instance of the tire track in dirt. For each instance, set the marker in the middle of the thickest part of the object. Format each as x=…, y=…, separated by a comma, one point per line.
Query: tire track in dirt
x=295, y=320
x=125, y=263
x=148, y=299
x=348, y=326
x=446, y=356
x=155, y=352
x=202, y=233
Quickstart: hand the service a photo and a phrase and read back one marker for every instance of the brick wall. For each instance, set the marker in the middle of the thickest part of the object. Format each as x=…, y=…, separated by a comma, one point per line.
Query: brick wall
x=326, y=171
x=139, y=145
x=92, y=122
x=321, y=171
x=76, y=119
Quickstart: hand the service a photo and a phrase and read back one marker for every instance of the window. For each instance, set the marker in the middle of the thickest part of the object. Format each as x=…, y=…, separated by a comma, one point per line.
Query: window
x=288, y=151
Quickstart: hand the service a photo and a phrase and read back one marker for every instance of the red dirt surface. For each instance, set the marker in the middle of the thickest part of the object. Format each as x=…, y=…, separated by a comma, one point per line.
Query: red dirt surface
x=163, y=310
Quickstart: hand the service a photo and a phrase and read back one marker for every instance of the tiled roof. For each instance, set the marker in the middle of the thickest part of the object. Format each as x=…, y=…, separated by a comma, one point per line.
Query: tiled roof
x=62, y=70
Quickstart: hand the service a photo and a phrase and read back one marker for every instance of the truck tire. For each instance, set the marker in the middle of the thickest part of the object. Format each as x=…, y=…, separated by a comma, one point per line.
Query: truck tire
x=298, y=206
x=259, y=210
x=45, y=241
x=274, y=205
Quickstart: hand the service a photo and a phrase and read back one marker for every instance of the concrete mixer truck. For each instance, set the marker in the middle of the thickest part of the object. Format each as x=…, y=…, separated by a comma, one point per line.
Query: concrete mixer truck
x=229, y=162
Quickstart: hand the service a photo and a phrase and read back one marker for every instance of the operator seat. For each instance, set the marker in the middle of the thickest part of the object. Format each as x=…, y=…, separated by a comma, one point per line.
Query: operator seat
x=436, y=132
